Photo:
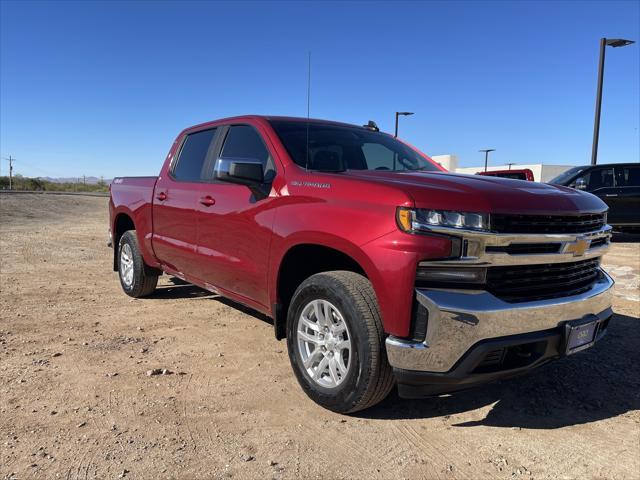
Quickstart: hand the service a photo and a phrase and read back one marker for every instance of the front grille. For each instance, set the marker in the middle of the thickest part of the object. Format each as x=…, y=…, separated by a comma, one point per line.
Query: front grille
x=599, y=242
x=547, y=223
x=511, y=357
x=535, y=282
x=525, y=248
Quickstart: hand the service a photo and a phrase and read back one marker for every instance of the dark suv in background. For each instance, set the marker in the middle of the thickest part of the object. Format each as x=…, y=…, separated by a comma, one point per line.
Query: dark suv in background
x=617, y=184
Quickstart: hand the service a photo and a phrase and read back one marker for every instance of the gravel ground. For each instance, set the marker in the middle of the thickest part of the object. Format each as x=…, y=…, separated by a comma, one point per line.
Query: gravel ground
x=76, y=400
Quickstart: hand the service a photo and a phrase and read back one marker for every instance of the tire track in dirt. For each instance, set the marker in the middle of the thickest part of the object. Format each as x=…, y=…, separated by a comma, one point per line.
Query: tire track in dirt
x=355, y=449
x=186, y=417
x=433, y=452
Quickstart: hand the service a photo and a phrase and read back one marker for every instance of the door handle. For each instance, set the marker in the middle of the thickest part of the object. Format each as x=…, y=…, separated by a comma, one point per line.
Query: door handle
x=611, y=195
x=207, y=201
x=161, y=196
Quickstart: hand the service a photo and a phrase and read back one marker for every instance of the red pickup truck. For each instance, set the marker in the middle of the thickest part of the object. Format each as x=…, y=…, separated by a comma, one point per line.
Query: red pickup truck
x=378, y=267
x=515, y=174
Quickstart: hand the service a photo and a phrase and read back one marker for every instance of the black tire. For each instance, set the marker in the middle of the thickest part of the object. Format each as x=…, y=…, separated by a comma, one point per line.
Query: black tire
x=369, y=377
x=144, y=279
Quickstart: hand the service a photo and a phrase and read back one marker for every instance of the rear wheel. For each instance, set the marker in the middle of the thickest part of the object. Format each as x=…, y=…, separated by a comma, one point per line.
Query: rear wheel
x=136, y=278
x=336, y=342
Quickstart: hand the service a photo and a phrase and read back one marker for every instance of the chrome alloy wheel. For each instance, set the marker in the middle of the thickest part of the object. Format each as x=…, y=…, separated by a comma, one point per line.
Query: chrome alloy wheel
x=126, y=265
x=324, y=343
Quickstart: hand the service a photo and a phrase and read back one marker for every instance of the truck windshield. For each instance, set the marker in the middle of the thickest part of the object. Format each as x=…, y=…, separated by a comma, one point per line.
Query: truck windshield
x=336, y=148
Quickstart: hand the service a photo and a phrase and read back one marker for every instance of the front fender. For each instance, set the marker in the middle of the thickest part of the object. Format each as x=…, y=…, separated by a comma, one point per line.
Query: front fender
x=389, y=263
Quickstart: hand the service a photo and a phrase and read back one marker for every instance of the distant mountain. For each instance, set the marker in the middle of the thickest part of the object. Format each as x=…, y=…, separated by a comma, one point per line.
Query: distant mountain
x=88, y=180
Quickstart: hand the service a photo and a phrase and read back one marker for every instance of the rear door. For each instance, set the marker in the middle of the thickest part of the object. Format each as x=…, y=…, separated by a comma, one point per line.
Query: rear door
x=175, y=204
x=234, y=231
x=628, y=200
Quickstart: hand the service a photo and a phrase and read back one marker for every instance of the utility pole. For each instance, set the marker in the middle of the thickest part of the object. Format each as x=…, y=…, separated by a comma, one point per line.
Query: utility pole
x=11, y=160
x=510, y=165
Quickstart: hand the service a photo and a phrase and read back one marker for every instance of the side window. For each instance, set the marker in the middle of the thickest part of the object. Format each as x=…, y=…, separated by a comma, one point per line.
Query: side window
x=193, y=155
x=595, y=179
x=630, y=176
x=244, y=142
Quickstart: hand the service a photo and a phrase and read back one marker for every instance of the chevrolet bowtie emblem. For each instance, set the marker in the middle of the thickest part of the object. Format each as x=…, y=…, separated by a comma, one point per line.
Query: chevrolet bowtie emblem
x=578, y=248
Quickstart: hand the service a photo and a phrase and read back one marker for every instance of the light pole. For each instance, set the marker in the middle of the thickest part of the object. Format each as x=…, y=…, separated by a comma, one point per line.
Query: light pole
x=397, y=115
x=604, y=42
x=486, y=156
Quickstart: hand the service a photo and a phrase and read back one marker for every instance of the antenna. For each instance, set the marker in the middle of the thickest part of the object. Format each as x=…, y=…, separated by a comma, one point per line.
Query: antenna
x=308, y=107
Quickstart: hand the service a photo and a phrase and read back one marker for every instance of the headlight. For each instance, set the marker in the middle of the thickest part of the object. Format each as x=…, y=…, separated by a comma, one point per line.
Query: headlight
x=414, y=220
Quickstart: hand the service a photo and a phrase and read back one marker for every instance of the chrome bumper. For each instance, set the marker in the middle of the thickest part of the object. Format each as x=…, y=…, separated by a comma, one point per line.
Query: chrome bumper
x=458, y=319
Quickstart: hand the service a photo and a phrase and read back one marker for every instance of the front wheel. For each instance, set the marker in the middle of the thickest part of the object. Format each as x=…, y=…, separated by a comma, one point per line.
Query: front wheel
x=136, y=278
x=336, y=342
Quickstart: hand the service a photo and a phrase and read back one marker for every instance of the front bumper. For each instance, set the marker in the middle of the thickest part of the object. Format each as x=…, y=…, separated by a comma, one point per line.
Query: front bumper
x=458, y=320
x=492, y=360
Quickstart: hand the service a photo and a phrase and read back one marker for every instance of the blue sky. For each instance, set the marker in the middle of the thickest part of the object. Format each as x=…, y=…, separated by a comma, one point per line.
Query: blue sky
x=102, y=88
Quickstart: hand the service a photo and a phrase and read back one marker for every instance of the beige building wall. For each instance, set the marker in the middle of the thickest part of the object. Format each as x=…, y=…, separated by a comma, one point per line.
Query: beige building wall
x=450, y=162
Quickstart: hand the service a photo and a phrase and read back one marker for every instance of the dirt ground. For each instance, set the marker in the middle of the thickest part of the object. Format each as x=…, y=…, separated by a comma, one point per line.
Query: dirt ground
x=75, y=400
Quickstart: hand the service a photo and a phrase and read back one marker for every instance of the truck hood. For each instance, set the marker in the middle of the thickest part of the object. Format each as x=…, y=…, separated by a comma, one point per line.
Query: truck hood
x=485, y=194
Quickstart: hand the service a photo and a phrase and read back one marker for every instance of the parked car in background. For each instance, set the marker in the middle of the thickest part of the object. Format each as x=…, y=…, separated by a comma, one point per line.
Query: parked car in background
x=616, y=184
x=519, y=174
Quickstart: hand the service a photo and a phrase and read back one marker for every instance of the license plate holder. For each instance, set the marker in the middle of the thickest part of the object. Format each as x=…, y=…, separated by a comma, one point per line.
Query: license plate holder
x=580, y=335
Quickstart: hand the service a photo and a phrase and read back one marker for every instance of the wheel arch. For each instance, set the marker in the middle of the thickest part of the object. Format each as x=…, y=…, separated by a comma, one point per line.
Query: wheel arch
x=121, y=223
x=299, y=262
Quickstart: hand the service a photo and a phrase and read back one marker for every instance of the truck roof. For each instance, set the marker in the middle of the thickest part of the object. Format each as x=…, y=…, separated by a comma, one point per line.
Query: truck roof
x=241, y=118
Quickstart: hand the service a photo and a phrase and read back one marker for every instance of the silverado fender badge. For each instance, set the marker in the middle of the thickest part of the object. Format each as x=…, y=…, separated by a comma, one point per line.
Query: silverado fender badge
x=578, y=248
x=297, y=183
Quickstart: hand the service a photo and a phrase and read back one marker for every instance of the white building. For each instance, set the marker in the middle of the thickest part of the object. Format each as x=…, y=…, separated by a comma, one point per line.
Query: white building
x=450, y=162
x=541, y=172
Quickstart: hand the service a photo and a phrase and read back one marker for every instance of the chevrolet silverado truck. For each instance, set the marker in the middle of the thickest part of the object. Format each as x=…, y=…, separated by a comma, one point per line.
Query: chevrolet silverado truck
x=377, y=266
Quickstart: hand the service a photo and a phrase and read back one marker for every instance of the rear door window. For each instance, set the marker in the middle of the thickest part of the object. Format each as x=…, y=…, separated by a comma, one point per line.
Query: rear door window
x=193, y=155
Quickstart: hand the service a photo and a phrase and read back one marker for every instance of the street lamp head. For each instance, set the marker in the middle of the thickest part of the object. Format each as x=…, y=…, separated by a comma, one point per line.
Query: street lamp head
x=404, y=113
x=486, y=150
x=619, y=42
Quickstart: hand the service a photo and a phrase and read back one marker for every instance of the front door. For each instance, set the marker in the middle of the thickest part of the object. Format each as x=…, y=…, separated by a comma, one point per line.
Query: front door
x=234, y=230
